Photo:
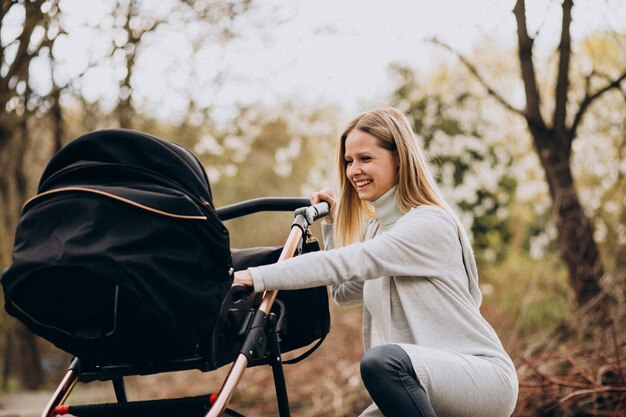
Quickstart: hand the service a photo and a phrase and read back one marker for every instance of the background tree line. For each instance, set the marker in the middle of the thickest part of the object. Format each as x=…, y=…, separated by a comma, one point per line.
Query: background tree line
x=540, y=180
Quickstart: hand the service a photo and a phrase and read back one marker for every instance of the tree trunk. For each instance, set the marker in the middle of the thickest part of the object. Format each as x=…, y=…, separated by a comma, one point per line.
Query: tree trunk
x=21, y=346
x=56, y=113
x=27, y=357
x=575, y=234
x=7, y=352
x=12, y=185
x=553, y=142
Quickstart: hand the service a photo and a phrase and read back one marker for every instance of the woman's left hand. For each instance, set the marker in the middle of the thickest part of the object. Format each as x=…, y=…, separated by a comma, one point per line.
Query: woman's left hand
x=327, y=195
x=243, y=278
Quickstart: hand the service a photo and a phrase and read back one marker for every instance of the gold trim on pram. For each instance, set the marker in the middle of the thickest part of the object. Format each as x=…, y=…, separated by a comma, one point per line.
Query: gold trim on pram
x=115, y=197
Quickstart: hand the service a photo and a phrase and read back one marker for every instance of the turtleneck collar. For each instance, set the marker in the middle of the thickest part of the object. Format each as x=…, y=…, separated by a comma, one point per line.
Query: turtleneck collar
x=386, y=208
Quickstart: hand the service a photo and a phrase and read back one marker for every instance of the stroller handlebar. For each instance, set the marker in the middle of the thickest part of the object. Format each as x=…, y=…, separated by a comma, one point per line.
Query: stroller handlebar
x=261, y=204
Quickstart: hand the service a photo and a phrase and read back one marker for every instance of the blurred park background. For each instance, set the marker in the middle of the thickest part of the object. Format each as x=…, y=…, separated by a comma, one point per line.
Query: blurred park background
x=520, y=105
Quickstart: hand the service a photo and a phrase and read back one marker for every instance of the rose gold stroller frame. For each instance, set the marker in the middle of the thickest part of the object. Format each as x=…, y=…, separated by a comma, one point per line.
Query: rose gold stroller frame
x=260, y=335
x=241, y=363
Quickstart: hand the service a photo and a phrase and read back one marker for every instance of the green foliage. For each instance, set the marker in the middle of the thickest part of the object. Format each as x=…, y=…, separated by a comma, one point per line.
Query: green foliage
x=472, y=169
x=267, y=153
x=528, y=297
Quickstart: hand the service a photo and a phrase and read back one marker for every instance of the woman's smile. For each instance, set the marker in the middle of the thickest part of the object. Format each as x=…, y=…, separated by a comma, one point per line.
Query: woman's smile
x=362, y=183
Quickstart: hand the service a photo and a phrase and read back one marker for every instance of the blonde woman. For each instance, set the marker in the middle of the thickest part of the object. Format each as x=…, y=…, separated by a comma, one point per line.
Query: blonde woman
x=395, y=246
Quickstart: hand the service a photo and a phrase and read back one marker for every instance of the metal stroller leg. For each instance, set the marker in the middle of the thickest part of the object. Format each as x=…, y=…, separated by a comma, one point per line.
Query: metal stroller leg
x=64, y=389
x=276, y=362
x=120, y=390
x=281, y=389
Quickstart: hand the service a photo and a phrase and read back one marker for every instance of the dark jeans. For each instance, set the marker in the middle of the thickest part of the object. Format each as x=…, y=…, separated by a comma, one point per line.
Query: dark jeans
x=389, y=377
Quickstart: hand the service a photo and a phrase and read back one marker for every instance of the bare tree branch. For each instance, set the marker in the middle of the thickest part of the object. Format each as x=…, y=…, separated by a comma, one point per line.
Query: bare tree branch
x=533, y=99
x=590, y=98
x=4, y=9
x=472, y=68
x=22, y=57
x=562, y=82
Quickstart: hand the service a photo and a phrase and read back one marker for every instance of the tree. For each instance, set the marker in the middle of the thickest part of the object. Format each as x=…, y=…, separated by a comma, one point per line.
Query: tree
x=139, y=27
x=553, y=137
x=26, y=40
x=19, y=49
x=34, y=80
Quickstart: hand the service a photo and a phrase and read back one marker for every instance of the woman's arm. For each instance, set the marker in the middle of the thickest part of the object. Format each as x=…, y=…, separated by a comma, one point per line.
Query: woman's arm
x=348, y=293
x=419, y=244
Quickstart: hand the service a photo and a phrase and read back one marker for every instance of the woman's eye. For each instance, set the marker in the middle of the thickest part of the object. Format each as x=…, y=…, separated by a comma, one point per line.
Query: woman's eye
x=348, y=162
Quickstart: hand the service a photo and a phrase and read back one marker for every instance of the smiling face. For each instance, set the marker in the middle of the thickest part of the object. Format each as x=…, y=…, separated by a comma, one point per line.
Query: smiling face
x=371, y=169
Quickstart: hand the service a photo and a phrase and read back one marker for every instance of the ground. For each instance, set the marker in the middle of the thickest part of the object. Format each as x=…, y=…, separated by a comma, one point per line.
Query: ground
x=32, y=403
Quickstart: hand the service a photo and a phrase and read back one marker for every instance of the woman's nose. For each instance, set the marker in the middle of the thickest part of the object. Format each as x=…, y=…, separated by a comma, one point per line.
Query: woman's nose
x=353, y=169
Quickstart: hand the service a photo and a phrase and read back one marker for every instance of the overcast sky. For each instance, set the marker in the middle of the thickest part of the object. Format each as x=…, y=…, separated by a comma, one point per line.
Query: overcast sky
x=318, y=52
x=339, y=50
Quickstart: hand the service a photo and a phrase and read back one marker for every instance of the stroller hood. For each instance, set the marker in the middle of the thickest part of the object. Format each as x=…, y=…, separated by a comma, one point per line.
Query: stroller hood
x=166, y=161
x=121, y=254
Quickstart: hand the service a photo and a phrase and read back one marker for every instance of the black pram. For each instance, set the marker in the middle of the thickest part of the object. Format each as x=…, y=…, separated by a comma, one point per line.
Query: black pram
x=122, y=260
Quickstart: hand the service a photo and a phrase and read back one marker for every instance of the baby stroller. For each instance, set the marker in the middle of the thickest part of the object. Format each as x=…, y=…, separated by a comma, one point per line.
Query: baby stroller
x=122, y=260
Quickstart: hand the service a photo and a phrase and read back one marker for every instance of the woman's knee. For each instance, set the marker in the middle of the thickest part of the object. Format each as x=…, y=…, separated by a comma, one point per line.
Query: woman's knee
x=380, y=360
x=370, y=363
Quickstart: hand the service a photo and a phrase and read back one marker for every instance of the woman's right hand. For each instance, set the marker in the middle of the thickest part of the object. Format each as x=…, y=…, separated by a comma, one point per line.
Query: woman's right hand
x=327, y=195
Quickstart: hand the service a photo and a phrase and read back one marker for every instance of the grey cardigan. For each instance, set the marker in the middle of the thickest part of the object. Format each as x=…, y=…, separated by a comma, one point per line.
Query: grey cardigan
x=430, y=305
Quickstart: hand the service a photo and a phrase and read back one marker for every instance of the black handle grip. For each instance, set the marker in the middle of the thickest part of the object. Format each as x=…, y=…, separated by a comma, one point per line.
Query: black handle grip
x=317, y=211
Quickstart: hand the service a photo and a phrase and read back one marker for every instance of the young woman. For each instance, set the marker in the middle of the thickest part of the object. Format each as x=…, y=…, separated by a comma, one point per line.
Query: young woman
x=403, y=253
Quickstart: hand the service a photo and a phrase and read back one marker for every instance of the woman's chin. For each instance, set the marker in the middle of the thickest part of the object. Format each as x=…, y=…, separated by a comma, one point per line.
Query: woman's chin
x=365, y=196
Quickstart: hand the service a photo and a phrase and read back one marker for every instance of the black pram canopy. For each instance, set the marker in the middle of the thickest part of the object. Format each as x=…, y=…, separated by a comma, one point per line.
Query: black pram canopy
x=116, y=156
x=121, y=241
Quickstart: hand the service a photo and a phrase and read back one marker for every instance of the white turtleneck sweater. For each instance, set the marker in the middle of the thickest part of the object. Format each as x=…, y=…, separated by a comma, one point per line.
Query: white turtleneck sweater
x=416, y=276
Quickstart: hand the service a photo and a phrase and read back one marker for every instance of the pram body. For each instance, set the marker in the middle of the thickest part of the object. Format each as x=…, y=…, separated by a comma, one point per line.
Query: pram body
x=239, y=327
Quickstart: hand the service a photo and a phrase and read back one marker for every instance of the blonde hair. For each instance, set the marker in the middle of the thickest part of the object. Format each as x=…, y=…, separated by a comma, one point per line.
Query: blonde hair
x=416, y=185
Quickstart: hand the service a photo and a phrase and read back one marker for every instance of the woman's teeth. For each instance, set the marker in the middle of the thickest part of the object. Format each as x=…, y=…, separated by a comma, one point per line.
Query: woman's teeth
x=362, y=183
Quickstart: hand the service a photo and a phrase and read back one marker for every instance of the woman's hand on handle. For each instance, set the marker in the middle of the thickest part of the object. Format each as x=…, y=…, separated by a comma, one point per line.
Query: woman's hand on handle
x=328, y=195
x=243, y=278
